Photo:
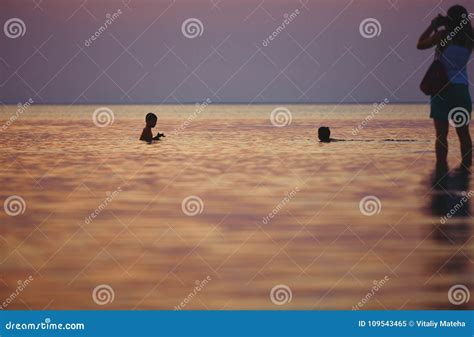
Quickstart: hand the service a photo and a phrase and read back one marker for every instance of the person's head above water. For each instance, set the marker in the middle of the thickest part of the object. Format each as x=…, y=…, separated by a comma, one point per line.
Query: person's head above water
x=151, y=120
x=324, y=134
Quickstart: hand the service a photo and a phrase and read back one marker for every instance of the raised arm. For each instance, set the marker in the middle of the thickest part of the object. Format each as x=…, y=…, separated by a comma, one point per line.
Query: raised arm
x=431, y=37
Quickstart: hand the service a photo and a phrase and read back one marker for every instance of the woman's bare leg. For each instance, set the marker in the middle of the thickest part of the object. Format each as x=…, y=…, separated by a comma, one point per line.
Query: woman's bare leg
x=442, y=128
x=466, y=145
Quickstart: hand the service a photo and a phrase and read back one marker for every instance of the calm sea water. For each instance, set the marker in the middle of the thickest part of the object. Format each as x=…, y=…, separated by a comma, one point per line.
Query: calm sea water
x=228, y=207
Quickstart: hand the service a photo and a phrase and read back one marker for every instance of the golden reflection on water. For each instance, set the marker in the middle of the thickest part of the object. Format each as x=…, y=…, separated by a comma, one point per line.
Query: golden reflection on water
x=141, y=243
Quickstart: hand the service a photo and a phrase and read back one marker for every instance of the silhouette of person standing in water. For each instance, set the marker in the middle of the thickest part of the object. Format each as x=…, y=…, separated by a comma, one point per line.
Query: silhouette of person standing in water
x=453, y=37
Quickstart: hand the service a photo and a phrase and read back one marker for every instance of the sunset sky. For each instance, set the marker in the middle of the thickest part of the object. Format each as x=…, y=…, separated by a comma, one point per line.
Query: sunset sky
x=321, y=56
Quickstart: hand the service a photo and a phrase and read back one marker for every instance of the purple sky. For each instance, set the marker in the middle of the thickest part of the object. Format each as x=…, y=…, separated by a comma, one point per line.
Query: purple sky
x=143, y=56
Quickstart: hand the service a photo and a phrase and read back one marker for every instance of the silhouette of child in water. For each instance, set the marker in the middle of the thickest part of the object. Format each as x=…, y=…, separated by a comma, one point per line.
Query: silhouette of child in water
x=147, y=135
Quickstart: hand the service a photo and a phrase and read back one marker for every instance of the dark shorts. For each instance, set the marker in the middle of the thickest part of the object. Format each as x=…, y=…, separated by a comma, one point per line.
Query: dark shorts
x=456, y=97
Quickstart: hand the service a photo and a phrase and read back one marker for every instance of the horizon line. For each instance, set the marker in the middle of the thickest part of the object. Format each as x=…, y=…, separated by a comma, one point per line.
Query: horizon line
x=227, y=103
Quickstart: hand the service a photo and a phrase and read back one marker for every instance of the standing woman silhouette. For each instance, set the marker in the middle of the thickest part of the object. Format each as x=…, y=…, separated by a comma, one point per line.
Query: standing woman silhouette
x=454, y=40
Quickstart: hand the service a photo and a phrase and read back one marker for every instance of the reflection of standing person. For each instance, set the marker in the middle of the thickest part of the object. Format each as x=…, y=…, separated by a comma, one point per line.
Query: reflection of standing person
x=450, y=234
x=454, y=44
